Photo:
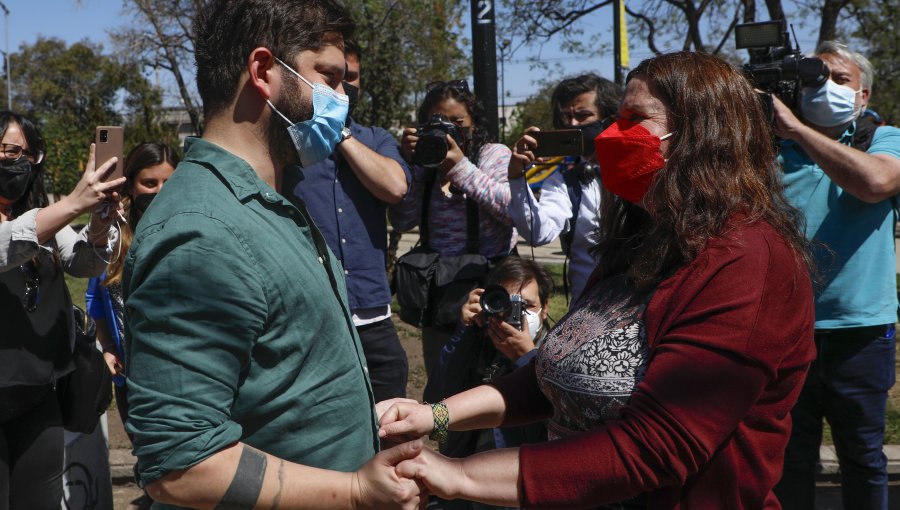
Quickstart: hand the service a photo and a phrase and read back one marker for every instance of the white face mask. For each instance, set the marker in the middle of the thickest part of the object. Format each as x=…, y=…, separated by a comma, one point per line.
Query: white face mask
x=829, y=105
x=534, y=322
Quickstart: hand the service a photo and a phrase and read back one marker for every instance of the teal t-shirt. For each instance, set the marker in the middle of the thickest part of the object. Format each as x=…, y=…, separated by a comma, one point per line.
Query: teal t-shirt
x=854, y=240
x=238, y=327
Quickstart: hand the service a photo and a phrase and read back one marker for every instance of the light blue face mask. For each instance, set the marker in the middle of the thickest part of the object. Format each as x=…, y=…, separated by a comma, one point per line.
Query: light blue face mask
x=316, y=138
x=829, y=105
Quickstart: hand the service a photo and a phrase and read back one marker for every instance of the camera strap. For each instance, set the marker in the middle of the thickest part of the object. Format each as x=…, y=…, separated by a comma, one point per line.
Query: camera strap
x=472, y=242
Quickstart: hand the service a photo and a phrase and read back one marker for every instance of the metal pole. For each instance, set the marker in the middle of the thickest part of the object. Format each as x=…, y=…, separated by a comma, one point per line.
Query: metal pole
x=617, y=43
x=484, y=60
x=503, y=48
x=6, y=55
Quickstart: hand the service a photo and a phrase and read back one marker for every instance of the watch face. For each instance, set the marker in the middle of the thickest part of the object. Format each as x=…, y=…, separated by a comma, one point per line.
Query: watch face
x=345, y=133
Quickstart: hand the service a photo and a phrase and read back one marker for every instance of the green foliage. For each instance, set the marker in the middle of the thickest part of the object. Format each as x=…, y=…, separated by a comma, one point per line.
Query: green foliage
x=405, y=44
x=533, y=111
x=69, y=90
x=879, y=30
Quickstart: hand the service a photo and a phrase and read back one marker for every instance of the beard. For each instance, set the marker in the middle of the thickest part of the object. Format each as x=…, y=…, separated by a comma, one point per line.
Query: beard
x=292, y=105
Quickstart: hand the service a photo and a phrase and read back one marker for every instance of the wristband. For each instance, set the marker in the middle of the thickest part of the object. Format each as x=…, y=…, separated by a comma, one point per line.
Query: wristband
x=441, y=420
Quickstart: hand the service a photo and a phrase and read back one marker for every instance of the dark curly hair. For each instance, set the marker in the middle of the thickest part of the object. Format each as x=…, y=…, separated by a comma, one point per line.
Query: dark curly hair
x=451, y=90
x=721, y=169
x=36, y=195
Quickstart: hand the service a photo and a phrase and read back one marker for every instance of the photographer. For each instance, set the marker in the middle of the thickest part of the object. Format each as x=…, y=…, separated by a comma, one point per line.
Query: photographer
x=570, y=198
x=486, y=346
x=842, y=171
x=466, y=184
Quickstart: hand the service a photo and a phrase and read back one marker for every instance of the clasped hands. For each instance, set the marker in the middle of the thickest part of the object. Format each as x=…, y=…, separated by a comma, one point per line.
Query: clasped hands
x=406, y=471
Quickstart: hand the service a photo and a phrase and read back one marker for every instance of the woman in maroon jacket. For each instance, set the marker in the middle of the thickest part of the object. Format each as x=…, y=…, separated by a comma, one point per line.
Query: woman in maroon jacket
x=672, y=378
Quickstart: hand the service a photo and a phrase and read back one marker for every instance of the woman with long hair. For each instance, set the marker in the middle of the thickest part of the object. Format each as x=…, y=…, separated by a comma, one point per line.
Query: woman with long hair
x=674, y=373
x=36, y=246
x=147, y=168
x=467, y=187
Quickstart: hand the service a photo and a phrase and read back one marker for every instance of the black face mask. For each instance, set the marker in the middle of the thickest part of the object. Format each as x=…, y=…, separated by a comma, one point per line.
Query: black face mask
x=589, y=132
x=15, y=178
x=142, y=202
x=352, y=92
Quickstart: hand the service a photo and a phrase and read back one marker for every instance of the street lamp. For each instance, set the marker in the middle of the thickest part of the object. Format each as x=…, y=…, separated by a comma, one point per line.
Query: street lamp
x=6, y=57
x=503, y=47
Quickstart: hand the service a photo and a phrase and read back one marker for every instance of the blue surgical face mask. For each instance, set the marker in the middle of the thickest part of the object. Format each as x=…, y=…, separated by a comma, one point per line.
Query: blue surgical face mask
x=829, y=105
x=316, y=138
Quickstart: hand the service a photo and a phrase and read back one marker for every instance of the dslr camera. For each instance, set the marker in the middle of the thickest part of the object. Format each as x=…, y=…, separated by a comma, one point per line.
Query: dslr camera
x=775, y=66
x=432, y=146
x=497, y=302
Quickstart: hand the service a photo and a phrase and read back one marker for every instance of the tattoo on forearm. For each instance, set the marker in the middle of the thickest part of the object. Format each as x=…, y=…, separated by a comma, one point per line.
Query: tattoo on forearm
x=247, y=482
x=277, y=499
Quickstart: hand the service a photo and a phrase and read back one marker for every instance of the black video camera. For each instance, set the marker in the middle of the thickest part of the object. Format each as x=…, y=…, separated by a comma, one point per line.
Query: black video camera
x=432, y=145
x=775, y=66
x=497, y=302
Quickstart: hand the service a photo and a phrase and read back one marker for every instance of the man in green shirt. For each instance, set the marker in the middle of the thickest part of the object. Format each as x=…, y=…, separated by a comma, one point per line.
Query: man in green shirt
x=247, y=382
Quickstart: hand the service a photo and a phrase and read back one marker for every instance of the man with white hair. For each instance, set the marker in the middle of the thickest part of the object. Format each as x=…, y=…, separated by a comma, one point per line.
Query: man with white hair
x=842, y=171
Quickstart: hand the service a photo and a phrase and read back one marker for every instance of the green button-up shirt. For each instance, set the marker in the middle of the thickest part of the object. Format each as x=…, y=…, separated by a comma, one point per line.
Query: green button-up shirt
x=238, y=327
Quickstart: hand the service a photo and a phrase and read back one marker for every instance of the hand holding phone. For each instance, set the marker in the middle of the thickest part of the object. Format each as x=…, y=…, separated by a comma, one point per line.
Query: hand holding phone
x=110, y=143
x=558, y=142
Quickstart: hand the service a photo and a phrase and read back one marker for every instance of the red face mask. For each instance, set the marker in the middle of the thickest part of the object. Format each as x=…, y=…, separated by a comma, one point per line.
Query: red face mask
x=629, y=157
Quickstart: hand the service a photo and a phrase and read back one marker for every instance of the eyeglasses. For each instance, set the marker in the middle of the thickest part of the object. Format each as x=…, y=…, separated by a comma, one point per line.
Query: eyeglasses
x=32, y=286
x=458, y=85
x=14, y=152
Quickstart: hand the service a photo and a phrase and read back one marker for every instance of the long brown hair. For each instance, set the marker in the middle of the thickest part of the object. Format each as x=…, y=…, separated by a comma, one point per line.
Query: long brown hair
x=721, y=169
x=143, y=156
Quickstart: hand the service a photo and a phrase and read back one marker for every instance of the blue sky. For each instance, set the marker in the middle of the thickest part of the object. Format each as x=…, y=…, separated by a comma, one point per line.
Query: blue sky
x=73, y=21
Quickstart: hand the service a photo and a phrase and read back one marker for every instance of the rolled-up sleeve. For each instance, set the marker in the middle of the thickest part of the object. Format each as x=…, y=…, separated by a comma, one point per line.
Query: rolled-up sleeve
x=18, y=240
x=194, y=307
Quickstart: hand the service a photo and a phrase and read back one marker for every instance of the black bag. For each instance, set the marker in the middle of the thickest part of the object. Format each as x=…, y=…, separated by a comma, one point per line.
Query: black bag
x=431, y=289
x=85, y=393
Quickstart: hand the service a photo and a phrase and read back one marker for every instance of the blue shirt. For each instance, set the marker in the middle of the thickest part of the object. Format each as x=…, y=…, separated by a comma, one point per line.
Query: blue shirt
x=854, y=240
x=352, y=220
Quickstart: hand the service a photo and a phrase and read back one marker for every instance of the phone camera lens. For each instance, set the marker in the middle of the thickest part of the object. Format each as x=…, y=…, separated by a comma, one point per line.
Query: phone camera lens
x=104, y=136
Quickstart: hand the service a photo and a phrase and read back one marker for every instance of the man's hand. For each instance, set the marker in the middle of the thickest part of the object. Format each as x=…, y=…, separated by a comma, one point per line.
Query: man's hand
x=471, y=309
x=510, y=341
x=378, y=483
x=786, y=124
x=522, y=156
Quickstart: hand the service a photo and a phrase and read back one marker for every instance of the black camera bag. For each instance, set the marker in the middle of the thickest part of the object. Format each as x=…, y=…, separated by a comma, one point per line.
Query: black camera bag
x=85, y=393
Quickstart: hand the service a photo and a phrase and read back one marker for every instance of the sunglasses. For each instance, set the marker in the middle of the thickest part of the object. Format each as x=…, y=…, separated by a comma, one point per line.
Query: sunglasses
x=458, y=85
x=32, y=295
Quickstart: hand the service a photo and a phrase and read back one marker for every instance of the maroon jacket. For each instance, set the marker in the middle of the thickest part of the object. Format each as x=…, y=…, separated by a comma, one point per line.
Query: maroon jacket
x=731, y=339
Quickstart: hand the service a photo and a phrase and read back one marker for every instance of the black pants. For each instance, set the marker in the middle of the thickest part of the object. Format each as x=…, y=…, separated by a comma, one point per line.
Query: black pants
x=388, y=366
x=31, y=448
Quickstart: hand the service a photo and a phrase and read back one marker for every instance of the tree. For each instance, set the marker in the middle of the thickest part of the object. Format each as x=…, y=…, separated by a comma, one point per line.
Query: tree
x=405, y=44
x=69, y=90
x=160, y=36
x=879, y=29
x=536, y=110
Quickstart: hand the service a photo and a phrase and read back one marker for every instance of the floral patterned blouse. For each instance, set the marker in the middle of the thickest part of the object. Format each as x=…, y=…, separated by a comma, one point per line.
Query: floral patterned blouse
x=594, y=357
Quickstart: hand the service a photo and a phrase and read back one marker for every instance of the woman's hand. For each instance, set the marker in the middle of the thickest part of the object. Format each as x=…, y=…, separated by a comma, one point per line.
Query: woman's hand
x=510, y=341
x=440, y=475
x=471, y=309
x=91, y=190
x=408, y=144
x=113, y=363
x=378, y=483
x=403, y=419
x=455, y=154
x=522, y=156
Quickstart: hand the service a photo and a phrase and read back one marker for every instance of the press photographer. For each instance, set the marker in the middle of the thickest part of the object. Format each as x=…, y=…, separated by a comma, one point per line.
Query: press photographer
x=841, y=171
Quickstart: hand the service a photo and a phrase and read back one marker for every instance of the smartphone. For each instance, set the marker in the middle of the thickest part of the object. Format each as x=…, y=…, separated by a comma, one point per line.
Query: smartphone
x=109, y=142
x=560, y=142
